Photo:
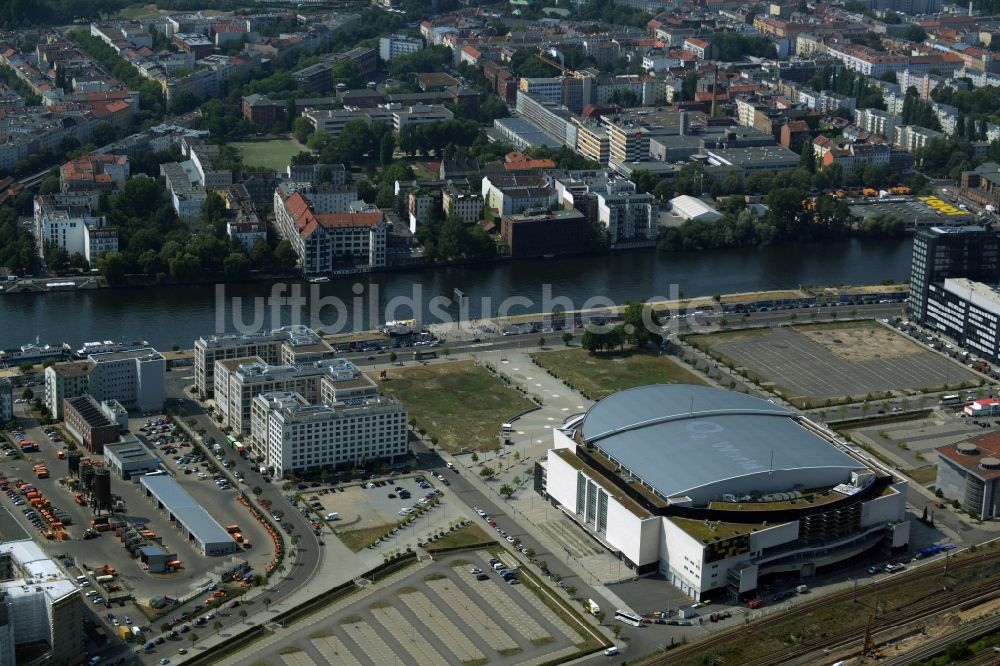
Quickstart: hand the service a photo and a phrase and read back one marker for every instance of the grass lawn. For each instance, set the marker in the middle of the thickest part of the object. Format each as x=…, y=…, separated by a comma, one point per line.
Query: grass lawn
x=599, y=375
x=273, y=154
x=923, y=475
x=470, y=535
x=362, y=538
x=459, y=403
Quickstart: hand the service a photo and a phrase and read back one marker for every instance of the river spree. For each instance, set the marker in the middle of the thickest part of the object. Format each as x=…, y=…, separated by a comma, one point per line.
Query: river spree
x=167, y=315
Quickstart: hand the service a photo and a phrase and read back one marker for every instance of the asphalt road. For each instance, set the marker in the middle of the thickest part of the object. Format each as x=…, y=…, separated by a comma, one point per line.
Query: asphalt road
x=281, y=586
x=310, y=551
x=674, y=326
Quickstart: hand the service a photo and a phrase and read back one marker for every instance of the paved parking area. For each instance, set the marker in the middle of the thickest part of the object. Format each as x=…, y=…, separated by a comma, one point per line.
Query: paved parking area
x=438, y=615
x=804, y=367
x=108, y=549
x=360, y=507
x=10, y=528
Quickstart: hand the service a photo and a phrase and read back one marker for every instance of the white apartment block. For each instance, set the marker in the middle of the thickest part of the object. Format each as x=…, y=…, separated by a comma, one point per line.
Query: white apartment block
x=466, y=205
x=332, y=121
x=247, y=233
x=135, y=378
x=98, y=241
x=239, y=381
x=288, y=345
x=418, y=114
x=65, y=380
x=877, y=121
x=548, y=88
x=627, y=215
x=393, y=46
x=913, y=137
x=296, y=435
x=42, y=605
x=323, y=199
x=868, y=63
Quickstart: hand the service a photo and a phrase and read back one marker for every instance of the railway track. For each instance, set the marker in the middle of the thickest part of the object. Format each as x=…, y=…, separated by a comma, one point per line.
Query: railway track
x=933, y=602
x=970, y=632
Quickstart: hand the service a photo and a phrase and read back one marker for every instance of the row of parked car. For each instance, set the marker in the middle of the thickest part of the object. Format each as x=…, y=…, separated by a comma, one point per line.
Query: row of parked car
x=509, y=575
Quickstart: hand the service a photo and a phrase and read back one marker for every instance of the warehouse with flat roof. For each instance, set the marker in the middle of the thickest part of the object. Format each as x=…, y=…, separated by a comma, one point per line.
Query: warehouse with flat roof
x=718, y=490
x=192, y=519
x=129, y=457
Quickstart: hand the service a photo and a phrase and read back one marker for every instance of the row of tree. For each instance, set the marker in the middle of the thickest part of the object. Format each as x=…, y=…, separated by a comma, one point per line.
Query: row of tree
x=637, y=328
x=434, y=137
x=152, y=241
x=151, y=102
x=852, y=84
x=791, y=217
x=17, y=244
x=919, y=112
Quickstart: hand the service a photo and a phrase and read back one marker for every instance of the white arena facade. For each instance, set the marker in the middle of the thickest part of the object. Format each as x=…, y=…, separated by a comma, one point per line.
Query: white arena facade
x=718, y=490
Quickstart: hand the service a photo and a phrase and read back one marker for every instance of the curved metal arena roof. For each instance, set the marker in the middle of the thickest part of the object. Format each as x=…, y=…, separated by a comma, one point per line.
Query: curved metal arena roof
x=701, y=441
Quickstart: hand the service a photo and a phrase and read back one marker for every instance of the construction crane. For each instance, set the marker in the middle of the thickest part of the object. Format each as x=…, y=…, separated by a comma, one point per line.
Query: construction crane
x=870, y=650
x=565, y=70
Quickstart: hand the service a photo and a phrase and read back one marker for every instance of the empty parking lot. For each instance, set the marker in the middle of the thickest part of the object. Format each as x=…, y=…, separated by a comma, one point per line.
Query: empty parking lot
x=833, y=361
x=438, y=615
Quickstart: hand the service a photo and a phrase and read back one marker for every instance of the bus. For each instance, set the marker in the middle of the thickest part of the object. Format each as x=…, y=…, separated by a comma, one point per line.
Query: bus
x=628, y=618
x=951, y=399
x=230, y=440
x=423, y=355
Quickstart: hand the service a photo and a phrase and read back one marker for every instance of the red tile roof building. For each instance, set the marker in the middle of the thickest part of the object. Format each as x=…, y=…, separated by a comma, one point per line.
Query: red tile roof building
x=329, y=242
x=94, y=173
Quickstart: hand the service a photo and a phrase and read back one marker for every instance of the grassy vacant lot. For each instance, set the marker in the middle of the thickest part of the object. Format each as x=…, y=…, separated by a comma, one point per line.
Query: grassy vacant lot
x=599, y=375
x=470, y=535
x=361, y=538
x=151, y=11
x=272, y=154
x=923, y=475
x=459, y=403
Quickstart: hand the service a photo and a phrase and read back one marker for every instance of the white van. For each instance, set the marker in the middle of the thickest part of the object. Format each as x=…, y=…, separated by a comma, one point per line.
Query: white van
x=333, y=516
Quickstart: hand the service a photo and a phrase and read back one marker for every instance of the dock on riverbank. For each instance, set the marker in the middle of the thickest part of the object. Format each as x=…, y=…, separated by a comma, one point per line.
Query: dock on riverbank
x=45, y=285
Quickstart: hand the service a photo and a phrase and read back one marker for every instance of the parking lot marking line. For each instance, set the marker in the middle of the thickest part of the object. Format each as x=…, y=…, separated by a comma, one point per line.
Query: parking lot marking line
x=473, y=616
x=453, y=638
x=298, y=659
x=551, y=657
x=554, y=620
x=499, y=601
x=371, y=643
x=334, y=651
x=407, y=636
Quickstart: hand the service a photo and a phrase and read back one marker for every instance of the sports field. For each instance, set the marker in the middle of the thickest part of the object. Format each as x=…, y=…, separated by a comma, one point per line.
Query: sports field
x=272, y=154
